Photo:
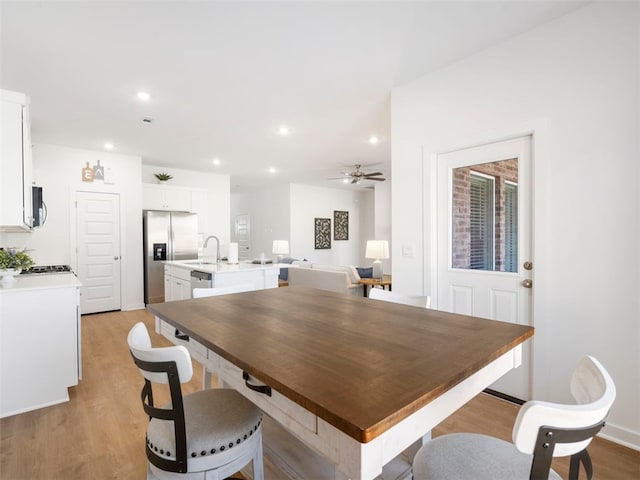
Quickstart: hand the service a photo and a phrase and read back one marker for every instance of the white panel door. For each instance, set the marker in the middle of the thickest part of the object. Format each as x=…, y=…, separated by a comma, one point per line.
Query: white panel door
x=484, y=240
x=243, y=236
x=98, y=231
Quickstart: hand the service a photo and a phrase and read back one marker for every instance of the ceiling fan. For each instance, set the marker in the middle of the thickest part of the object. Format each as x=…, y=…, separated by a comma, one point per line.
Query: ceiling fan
x=358, y=175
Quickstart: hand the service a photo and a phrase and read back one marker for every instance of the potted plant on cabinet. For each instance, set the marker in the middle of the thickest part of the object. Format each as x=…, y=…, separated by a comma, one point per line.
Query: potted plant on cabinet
x=163, y=177
x=12, y=262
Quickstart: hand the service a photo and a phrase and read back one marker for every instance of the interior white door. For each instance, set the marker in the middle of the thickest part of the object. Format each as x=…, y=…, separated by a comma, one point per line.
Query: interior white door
x=484, y=240
x=243, y=236
x=98, y=247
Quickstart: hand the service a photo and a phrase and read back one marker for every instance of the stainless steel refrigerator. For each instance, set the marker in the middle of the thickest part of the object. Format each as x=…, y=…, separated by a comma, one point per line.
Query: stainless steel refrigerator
x=167, y=236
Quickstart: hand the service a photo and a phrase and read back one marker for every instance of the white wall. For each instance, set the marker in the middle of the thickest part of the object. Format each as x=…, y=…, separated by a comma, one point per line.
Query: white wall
x=383, y=220
x=366, y=230
x=573, y=83
x=287, y=212
x=268, y=211
x=308, y=203
x=58, y=170
x=214, y=217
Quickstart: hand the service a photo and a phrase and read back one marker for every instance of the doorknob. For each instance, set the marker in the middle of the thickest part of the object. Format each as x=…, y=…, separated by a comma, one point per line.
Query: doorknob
x=116, y=258
x=527, y=283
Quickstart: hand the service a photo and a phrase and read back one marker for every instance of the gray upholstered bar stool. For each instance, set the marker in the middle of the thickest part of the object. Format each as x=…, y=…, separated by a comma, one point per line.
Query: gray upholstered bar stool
x=209, y=434
x=542, y=431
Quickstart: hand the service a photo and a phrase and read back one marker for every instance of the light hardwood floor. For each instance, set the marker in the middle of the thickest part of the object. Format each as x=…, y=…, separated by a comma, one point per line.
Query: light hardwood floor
x=99, y=434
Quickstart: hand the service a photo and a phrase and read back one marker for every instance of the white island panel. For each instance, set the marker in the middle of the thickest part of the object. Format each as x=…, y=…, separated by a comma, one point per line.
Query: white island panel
x=260, y=276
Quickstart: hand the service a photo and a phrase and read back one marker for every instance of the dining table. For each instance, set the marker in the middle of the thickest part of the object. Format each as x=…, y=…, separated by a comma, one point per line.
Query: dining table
x=356, y=380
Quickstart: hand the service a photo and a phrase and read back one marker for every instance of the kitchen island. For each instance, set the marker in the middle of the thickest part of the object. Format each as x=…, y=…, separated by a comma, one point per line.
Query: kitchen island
x=40, y=356
x=356, y=389
x=177, y=276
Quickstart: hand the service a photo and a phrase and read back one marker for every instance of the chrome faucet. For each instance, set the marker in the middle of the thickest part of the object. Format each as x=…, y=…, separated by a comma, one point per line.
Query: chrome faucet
x=217, y=246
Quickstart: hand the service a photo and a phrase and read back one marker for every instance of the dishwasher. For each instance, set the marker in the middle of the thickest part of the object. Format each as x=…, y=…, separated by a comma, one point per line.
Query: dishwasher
x=201, y=280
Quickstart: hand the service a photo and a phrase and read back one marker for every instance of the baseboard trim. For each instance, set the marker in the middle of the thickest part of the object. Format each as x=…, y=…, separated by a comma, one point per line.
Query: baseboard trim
x=137, y=306
x=621, y=436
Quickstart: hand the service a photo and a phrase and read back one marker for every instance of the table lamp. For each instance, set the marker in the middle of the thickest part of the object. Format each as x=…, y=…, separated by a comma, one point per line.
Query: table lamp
x=280, y=248
x=377, y=249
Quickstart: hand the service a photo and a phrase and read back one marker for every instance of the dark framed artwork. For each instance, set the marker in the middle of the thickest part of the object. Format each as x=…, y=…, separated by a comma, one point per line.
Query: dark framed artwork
x=322, y=233
x=340, y=225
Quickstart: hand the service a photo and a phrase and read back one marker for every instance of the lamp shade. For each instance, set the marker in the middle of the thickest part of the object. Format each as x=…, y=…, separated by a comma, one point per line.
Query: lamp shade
x=280, y=247
x=377, y=249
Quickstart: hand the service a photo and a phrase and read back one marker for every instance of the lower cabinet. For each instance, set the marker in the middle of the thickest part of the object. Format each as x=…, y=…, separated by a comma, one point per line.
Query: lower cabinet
x=177, y=283
x=47, y=321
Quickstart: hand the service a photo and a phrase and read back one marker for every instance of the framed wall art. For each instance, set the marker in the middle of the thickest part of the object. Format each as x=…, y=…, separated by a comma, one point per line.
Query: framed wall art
x=340, y=225
x=322, y=233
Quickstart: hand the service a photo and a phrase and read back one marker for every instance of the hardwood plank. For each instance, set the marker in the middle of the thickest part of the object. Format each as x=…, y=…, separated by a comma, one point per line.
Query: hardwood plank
x=374, y=371
x=100, y=433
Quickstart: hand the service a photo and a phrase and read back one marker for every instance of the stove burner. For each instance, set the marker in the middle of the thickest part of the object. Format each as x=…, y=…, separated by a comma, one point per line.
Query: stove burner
x=47, y=269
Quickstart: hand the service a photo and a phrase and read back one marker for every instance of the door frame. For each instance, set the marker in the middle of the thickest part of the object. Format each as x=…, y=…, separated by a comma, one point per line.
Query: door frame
x=538, y=129
x=73, y=225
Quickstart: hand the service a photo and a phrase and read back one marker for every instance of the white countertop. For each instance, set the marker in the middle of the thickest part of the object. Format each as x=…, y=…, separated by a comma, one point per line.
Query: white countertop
x=40, y=281
x=206, y=265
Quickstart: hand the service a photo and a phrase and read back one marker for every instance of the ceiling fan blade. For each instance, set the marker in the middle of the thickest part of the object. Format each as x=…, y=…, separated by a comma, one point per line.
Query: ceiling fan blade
x=373, y=174
x=355, y=180
x=378, y=179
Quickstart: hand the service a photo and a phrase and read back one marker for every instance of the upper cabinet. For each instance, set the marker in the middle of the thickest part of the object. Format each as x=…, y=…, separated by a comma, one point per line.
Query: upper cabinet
x=16, y=166
x=163, y=197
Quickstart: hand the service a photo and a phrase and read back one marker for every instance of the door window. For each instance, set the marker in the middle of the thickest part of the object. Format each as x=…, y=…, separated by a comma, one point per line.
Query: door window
x=485, y=216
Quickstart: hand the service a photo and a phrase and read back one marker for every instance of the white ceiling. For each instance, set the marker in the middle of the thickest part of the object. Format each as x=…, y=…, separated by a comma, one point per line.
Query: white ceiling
x=224, y=76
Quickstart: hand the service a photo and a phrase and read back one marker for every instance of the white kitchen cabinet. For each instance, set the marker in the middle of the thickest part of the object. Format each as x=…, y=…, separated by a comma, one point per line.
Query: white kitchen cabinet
x=16, y=165
x=177, y=283
x=163, y=197
x=41, y=313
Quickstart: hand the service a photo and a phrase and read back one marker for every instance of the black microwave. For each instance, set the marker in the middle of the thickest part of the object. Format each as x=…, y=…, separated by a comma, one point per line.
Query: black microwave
x=39, y=208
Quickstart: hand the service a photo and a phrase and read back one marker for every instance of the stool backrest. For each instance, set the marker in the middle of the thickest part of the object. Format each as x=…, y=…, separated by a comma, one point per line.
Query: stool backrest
x=167, y=365
x=415, y=300
x=140, y=346
x=548, y=430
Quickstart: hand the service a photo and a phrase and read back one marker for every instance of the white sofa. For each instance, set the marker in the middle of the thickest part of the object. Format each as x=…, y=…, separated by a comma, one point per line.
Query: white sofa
x=335, y=278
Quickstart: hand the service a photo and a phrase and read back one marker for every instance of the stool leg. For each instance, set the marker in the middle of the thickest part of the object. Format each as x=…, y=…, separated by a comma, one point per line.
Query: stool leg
x=206, y=378
x=258, y=465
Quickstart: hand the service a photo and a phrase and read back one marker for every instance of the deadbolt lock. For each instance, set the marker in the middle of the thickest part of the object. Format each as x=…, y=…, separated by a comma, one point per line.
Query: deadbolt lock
x=527, y=283
x=528, y=265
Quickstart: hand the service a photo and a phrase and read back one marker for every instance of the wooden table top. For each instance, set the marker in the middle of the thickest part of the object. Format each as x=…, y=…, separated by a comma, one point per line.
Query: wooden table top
x=361, y=365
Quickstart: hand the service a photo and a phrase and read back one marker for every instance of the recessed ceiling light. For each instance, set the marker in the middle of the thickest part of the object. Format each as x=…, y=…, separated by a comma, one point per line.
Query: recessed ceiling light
x=108, y=146
x=345, y=180
x=373, y=140
x=216, y=161
x=144, y=96
x=272, y=170
x=283, y=130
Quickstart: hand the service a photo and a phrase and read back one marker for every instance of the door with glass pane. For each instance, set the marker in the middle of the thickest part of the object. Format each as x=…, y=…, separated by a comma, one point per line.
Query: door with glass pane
x=484, y=240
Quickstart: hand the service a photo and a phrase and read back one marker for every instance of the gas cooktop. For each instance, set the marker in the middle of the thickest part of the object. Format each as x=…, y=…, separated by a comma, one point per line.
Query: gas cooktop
x=46, y=269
